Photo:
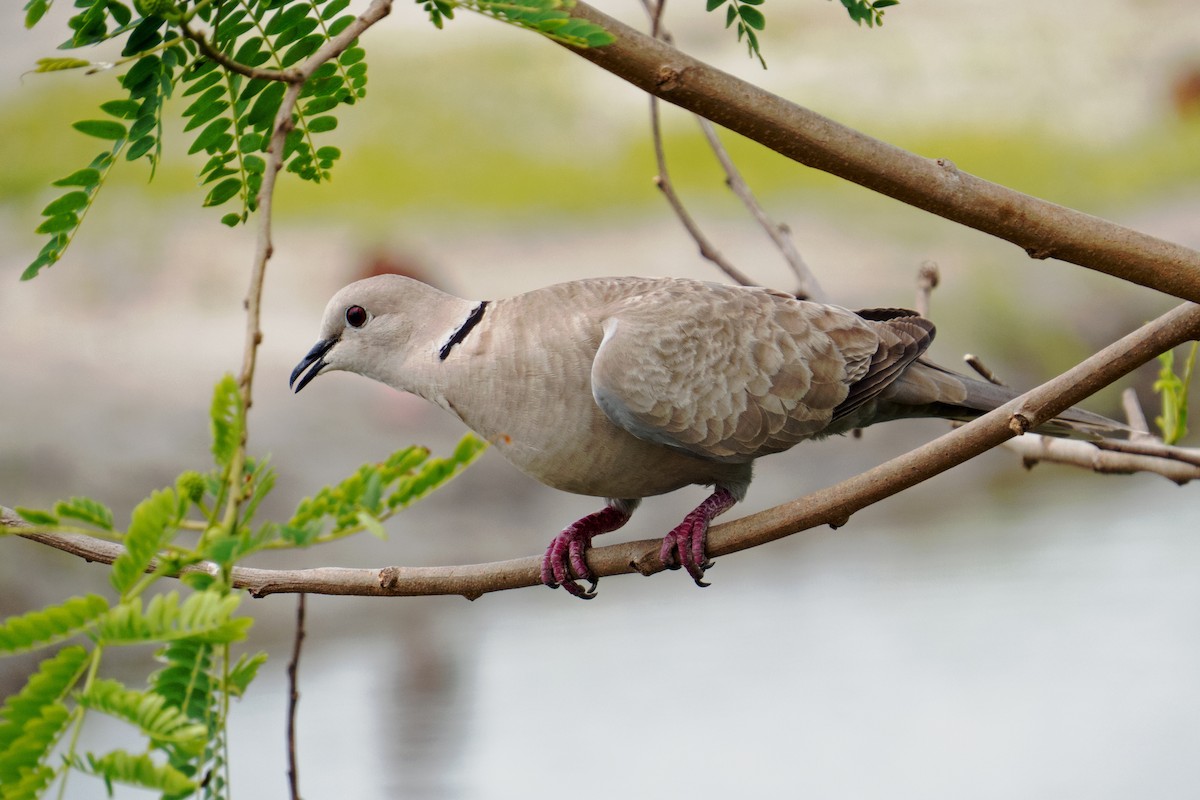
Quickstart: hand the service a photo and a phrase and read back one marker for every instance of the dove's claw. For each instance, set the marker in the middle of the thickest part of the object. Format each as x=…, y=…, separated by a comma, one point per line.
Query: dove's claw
x=565, y=562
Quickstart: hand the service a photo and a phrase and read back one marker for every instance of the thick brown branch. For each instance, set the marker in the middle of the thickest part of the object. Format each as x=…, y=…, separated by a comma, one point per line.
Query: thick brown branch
x=831, y=506
x=1043, y=229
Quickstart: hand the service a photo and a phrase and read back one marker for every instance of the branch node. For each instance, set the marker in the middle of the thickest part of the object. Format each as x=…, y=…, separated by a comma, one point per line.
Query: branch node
x=1039, y=253
x=669, y=78
x=948, y=166
x=643, y=565
x=389, y=577
x=1018, y=423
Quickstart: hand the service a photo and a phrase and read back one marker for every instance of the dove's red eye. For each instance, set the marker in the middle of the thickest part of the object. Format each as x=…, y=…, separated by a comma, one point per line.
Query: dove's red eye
x=356, y=316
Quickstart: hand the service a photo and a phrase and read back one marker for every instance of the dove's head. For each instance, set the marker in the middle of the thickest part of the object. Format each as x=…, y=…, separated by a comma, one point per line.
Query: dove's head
x=368, y=326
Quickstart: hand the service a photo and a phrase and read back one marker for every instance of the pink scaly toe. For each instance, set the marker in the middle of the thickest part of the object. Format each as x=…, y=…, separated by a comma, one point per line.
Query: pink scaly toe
x=685, y=545
x=565, y=563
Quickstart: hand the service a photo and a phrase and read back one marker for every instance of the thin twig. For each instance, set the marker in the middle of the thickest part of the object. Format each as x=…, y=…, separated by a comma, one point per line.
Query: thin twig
x=985, y=372
x=663, y=182
x=807, y=286
x=1134, y=415
x=831, y=506
x=927, y=280
x=663, y=179
x=294, y=699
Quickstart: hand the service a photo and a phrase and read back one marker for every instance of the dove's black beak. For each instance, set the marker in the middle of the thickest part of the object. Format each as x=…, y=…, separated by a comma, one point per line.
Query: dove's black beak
x=314, y=359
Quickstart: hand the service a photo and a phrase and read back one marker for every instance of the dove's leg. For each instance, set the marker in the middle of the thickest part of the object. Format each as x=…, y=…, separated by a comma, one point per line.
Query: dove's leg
x=684, y=546
x=565, y=553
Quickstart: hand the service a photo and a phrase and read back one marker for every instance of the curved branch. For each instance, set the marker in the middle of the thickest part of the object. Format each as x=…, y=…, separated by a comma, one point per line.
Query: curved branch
x=213, y=54
x=1043, y=229
x=831, y=506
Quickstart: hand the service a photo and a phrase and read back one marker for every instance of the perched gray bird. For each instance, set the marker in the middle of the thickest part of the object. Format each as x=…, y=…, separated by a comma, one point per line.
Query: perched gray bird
x=624, y=388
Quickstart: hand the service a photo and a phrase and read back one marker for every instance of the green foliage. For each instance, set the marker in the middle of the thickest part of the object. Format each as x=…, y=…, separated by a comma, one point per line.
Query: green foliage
x=50, y=684
x=232, y=106
x=86, y=510
x=149, y=712
x=205, y=616
x=118, y=766
x=51, y=624
x=182, y=710
x=551, y=18
x=374, y=493
x=150, y=529
x=748, y=20
x=1173, y=392
x=227, y=417
x=31, y=747
x=867, y=11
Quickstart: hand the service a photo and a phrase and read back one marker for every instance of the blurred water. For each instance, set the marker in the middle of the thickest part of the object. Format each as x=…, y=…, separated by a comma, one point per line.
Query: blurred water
x=1035, y=652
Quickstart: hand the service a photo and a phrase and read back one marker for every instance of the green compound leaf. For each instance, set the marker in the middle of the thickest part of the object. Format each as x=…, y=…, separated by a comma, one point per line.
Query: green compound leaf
x=223, y=191
x=243, y=672
x=375, y=492
x=67, y=204
x=149, y=712
x=119, y=766
x=32, y=745
x=752, y=17
x=81, y=177
x=100, y=128
x=205, y=616
x=60, y=64
x=151, y=527
x=49, y=625
x=227, y=420
x=36, y=517
x=54, y=678
x=86, y=510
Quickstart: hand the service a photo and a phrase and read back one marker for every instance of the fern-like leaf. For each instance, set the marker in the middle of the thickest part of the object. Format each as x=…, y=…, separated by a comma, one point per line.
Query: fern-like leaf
x=86, y=510
x=119, y=766
x=228, y=419
x=31, y=785
x=376, y=491
x=204, y=616
x=64, y=215
x=49, y=625
x=151, y=527
x=185, y=677
x=243, y=672
x=29, y=749
x=160, y=721
x=54, y=678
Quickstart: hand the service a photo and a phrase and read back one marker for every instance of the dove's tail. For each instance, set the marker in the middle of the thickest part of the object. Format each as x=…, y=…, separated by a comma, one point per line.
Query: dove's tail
x=925, y=389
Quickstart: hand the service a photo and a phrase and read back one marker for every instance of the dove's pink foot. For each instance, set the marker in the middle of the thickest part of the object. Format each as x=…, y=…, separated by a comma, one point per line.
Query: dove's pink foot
x=684, y=546
x=564, y=556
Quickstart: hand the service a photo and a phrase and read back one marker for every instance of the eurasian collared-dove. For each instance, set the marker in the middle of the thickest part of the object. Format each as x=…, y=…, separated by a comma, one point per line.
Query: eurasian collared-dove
x=624, y=388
